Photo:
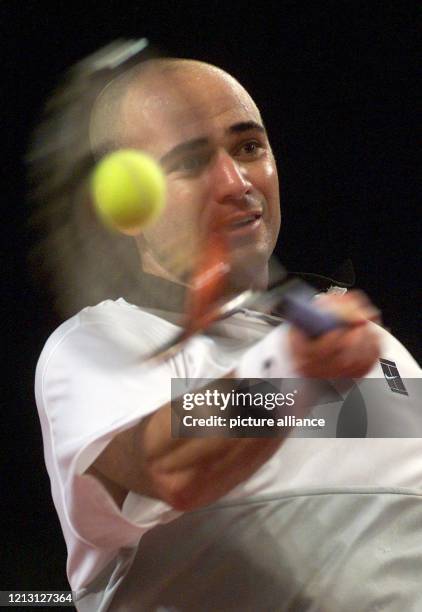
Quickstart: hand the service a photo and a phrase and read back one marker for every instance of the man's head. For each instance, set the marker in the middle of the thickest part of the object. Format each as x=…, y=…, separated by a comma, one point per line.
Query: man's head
x=208, y=135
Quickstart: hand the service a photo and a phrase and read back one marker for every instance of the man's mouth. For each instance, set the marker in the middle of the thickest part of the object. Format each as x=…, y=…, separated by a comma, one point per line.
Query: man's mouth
x=243, y=221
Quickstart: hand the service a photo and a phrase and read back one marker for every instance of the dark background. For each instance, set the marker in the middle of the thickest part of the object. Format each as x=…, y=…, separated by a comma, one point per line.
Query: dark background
x=336, y=84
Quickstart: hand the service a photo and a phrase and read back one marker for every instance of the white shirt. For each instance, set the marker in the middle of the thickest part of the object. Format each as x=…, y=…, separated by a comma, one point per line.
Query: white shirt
x=91, y=383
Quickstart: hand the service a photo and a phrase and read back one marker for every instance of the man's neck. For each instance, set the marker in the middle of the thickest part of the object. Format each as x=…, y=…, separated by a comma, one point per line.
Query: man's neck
x=151, y=266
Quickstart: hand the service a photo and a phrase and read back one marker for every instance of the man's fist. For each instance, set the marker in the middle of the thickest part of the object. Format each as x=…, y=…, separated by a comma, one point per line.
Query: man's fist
x=349, y=352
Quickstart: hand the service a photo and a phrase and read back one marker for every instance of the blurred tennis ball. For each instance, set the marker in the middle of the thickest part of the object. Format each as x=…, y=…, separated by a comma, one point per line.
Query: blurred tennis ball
x=128, y=189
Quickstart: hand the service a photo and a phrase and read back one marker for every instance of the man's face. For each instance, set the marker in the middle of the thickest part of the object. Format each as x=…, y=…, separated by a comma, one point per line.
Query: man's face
x=208, y=135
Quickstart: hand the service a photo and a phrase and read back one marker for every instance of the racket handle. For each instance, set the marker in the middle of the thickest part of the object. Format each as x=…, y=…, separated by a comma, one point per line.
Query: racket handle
x=297, y=308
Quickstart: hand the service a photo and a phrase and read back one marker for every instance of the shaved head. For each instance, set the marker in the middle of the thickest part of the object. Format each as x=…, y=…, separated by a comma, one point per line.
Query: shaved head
x=146, y=88
x=207, y=133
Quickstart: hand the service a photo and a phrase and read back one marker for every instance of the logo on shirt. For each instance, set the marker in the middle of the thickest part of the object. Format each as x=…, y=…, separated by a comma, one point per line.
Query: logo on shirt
x=393, y=377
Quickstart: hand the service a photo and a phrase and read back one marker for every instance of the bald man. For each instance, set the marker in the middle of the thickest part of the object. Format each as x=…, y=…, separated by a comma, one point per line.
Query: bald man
x=157, y=523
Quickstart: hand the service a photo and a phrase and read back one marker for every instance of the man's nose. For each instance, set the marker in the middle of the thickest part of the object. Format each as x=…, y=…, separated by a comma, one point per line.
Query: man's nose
x=229, y=179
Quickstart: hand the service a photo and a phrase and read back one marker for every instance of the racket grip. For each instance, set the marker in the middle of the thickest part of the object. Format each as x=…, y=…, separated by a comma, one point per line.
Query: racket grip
x=299, y=310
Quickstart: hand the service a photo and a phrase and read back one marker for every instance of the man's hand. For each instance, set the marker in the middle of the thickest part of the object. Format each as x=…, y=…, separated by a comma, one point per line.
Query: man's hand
x=349, y=352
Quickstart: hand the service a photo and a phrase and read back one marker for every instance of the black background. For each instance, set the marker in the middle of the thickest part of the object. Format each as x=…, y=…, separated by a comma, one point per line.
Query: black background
x=336, y=85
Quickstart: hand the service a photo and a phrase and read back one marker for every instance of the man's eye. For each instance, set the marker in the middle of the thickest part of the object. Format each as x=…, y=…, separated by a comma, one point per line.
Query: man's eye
x=252, y=148
x=191, y=163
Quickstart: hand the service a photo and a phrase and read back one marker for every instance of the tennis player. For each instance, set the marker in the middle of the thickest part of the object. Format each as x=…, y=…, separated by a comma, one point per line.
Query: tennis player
x=156, y=523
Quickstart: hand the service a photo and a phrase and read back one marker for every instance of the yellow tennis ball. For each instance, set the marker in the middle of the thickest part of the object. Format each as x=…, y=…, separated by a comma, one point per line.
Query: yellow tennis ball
x=128, y=189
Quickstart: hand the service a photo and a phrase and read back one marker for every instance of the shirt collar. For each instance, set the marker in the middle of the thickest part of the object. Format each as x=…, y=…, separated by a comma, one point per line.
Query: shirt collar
x=167, y=298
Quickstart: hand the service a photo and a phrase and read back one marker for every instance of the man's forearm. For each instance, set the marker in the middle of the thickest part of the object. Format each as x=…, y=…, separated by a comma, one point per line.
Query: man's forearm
x=184, y=472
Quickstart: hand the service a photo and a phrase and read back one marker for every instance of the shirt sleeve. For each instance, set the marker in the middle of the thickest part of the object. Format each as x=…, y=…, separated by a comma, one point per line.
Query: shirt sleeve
x=91, y=383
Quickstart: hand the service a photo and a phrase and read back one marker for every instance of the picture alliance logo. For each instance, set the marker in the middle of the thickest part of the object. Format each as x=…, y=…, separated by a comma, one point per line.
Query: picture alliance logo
x=386, y=406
